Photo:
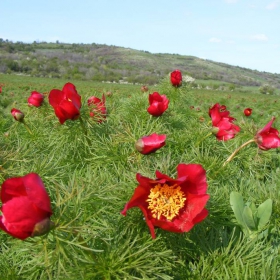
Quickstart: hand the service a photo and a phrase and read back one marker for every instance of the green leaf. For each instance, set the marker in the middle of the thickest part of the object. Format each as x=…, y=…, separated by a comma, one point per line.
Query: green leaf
x=237, y=205
x=263, y=213
x=249, y=219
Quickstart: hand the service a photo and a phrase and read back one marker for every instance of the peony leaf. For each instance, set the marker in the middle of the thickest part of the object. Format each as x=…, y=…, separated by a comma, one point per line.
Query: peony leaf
x=248, y=218
x=263, y=213
x=237, y=205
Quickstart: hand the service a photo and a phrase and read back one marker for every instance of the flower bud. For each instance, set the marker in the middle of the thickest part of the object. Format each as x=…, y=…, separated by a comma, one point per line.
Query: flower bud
x=139, y=145
x=215, y=130
x=17, y=114
x=42, y=227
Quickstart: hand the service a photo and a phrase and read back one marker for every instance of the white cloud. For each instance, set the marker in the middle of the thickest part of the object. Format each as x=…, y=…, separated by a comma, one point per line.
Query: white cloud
x=259, y=37
x=215, y=40
x=273, y=5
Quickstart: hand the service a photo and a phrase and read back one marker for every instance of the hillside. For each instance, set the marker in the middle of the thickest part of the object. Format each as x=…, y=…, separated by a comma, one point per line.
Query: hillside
x=111, y=63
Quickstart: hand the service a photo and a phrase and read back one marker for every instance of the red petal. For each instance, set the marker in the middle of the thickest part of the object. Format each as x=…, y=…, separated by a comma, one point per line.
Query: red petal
x=196, y=178
x=11, y=188
x=20, y=216
x=55, y=97
x=36, y=191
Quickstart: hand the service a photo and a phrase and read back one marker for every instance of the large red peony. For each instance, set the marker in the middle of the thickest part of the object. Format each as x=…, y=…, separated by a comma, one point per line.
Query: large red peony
x=158, y=104
x=66, y=103
x=26, y=207
x=222, y=122
x=268, y=137
x=172, y=204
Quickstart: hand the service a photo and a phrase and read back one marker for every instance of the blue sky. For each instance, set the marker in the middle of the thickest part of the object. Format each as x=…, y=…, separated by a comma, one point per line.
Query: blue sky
x=244, y=33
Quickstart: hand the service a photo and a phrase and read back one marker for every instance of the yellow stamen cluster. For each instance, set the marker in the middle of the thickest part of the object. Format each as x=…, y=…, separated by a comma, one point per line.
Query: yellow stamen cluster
x=166, y=201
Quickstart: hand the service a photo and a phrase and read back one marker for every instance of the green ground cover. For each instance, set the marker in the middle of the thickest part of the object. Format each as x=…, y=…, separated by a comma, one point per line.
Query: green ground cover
x=89, y=179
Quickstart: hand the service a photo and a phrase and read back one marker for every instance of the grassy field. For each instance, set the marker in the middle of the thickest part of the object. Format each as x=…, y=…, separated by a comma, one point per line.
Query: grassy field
x=91, y=176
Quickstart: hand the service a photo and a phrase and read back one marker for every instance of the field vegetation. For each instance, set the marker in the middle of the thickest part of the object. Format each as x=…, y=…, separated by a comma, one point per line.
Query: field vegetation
x=89, y=172
x=101, y=62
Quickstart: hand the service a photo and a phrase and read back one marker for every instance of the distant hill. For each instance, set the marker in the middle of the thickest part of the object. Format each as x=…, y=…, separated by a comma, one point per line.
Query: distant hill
x=111, y=63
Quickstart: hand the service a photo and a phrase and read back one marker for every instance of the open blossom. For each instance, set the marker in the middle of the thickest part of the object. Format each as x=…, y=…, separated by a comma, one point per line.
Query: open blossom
x=222, y=123
x=176, y=78
x=247, y=112
x=174, y=205
x=158, y=104
x=17, y=114
x=35, y=99
x=150, y=144
x=268, y=137
x=97, y=108
x=26, y=207
x=66, y=103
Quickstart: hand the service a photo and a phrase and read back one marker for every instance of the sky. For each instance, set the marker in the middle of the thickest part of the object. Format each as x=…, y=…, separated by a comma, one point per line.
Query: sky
x=243, y=33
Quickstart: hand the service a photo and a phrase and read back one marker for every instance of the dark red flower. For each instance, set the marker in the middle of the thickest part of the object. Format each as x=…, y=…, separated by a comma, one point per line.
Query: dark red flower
x=222, y=123
x=0, y=89
x=35, y=99
x=97, y=108
x=17, y=114
x=268, y=137
x=66, y=103
x=26, y=207
x=172, y=204
x=149, y=144
x=158, y=104
x=144, y=88
x=176, y=78
x=247, y=112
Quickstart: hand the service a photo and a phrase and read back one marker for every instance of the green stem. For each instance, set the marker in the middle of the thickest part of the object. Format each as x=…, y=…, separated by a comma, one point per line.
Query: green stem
x=84, y=130
x=27, y=127
x=237, y=150
x=206, y=136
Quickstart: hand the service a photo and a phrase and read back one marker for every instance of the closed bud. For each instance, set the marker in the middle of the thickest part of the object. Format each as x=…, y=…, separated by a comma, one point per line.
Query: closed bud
x=42, y=227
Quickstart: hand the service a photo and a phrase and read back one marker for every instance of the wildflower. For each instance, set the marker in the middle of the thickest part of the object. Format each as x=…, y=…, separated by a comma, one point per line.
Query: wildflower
x=222, y=123
x=268, y=137
x=174, y=205
x=247, y=112
x=66, y=103
x=98, y=108
x=144, y=88
x=17, y=114
x=150, y=144
x=158, y=104
x=176, y=78
x=35, y=99
x=26, y=207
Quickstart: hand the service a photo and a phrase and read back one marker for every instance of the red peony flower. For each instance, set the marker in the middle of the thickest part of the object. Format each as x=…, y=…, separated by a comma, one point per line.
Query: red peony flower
x=17, y=114
x=98, y=108
x=176, y=78
x=247, y=112
x=0, y=89
x=66, y=103
x=149, y=144
x=268, y=137
x=158, y=104
x=26, y=207
x=35, y=99
x=172, y=204
x=222, y=124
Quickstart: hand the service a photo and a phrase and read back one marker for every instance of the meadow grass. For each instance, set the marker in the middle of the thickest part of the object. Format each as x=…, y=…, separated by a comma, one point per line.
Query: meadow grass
x=89, y=178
